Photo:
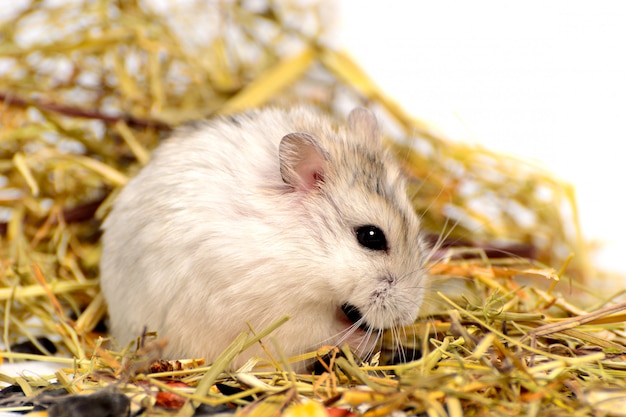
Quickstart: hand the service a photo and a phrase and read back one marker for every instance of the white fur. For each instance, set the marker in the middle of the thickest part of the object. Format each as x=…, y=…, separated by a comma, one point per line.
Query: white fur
x=208, y=236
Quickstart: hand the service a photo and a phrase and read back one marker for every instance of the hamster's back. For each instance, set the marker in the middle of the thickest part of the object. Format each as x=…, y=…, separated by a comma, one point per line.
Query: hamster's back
x=211, y=189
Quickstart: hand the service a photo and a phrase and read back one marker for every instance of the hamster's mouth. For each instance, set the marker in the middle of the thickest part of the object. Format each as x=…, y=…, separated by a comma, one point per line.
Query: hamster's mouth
x=354, y=316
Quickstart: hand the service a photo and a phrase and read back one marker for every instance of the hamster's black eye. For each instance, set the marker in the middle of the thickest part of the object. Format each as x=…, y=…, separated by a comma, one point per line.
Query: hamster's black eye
x=371, y=237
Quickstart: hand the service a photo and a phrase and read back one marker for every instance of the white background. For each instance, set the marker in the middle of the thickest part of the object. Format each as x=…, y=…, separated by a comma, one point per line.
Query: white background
x=540, y=79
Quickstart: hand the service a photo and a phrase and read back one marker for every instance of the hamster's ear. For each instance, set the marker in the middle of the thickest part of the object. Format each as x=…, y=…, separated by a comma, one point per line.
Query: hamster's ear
x=302, y=161
x=364, y=126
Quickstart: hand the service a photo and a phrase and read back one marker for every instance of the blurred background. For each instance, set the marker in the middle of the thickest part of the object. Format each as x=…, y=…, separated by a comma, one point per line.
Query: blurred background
x=541, y=80
x=544, y=81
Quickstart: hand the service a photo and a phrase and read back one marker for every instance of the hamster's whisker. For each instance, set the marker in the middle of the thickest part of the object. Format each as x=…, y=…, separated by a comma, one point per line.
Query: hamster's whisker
x=432, y=201
x=421, y=271
x=411, y=343
x=441, y=239
x=376, y=334
x=365, y=342
x=399, y=347
x=373, y=345
x=343, y=335
x=396, y=343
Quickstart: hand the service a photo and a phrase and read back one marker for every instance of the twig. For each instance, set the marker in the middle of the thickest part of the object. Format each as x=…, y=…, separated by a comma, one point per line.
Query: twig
x=576, y=321
x=66, y=110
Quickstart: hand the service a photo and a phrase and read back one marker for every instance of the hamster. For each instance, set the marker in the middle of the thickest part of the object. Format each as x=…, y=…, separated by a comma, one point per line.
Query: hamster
x=247, y=218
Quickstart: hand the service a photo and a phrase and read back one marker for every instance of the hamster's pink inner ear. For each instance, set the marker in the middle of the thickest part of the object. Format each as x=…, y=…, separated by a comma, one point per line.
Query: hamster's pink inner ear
x=302, y=161
x=364, y=126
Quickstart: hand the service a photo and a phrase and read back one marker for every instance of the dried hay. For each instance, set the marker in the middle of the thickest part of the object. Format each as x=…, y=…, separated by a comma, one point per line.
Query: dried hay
x=87, y=90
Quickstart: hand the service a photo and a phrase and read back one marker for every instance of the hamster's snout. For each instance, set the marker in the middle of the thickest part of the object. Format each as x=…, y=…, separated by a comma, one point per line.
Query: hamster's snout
x=393, y=303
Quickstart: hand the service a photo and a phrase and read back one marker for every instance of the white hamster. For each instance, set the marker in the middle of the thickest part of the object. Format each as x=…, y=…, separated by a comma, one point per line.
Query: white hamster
x=247, y=218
